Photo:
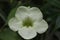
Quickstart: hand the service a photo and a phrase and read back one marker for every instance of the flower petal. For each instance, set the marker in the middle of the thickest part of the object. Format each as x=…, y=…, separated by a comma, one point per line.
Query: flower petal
x=41, y=27
x=35, y=13
x=27, y=33
x=21, y=12
x=14, y=24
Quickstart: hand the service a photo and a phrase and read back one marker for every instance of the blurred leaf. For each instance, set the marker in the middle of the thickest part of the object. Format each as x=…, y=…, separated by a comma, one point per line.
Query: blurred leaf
x=12, y=13
x=3, y=15
x=57, y=34
x=1, y=22
x=7, y=34
x=54, y=2
x=14, y=3
x=11, y=1
x=58, y=22
x=51, y=11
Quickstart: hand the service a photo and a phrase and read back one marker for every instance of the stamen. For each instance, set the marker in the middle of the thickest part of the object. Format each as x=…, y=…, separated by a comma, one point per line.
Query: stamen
x=27, y=22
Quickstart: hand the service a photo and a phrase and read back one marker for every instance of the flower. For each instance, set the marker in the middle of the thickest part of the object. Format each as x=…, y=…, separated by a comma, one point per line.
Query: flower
x=28, y=22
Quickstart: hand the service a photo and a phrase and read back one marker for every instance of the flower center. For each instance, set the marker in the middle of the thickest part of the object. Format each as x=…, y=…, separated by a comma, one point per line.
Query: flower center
x=27, y=22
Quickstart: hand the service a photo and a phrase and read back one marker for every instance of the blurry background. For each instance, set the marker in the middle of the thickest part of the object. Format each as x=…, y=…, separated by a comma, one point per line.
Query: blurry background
x=49, y=8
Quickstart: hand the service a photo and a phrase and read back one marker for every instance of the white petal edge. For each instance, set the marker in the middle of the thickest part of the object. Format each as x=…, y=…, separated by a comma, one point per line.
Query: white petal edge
x=21, y=12
x=41, y=27
x=14, y=24
x=35, y=13
x=27, y=33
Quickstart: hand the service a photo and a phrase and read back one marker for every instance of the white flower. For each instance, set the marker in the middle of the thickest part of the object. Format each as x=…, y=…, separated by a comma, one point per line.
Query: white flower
x=28, y=22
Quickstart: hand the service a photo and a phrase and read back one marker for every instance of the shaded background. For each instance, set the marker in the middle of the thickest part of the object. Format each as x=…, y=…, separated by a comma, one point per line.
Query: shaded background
x=49, y=8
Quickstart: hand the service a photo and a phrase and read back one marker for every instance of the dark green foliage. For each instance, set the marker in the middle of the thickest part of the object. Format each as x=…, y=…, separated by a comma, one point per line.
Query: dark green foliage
x=7, y=34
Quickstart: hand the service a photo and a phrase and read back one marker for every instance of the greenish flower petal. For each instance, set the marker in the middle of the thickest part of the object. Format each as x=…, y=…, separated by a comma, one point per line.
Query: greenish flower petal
x=27, y=33
x=14, y=24
x=41, y=27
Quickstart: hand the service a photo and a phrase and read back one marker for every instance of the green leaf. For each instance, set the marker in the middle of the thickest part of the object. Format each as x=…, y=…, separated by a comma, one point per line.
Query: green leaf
x=12, y=13
x=7, y=34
